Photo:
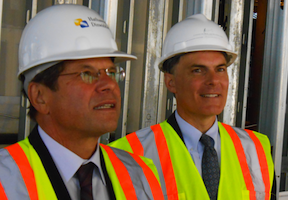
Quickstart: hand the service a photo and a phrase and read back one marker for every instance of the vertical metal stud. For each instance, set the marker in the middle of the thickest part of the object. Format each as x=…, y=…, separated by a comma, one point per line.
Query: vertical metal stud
x=152, y=73
x=235, y=37
x=24, y=109
x=1, y=13
x=34, y=8
x=245, y=63
x=207, y=6
x=111, y=15
x=128, y=66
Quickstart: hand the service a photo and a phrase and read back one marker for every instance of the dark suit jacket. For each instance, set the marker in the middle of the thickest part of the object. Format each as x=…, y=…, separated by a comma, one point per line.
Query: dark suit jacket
x=51, y=169
x=172, y=121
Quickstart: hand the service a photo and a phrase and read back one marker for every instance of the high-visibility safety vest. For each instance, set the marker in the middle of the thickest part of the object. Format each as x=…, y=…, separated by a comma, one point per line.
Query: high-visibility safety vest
x=23, y=176
x=246, y=169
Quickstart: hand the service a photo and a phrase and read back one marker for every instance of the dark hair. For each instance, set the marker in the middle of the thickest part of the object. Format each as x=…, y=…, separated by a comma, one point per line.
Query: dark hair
x=48, y=78
x=168, y=65
x=227, y=57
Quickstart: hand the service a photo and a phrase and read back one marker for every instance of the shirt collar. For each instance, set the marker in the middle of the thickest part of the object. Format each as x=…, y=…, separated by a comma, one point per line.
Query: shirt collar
x=191, y=135
x=68, y=158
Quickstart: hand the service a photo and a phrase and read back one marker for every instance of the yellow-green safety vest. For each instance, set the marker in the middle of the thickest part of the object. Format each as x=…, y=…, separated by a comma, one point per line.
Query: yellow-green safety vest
x=23, y=176
x=246, y=169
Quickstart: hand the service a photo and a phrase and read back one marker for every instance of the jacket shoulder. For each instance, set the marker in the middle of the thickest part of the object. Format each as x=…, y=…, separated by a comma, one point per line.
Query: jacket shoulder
x=240, y=131
x=144, y=134
x=10, y=175
x=128, y=158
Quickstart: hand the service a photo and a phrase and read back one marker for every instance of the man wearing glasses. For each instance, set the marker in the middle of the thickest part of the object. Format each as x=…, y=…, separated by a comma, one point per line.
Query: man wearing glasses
x=66, y=63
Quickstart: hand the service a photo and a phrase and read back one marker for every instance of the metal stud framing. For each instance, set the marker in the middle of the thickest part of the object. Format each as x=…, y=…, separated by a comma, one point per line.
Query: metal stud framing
x=274, y=86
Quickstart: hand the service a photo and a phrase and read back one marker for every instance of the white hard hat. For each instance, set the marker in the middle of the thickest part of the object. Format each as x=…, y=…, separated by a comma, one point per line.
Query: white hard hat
x=195, y=33
x=65, y=32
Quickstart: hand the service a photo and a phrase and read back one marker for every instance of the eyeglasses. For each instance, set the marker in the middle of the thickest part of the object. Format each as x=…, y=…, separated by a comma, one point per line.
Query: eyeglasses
x=115, y=73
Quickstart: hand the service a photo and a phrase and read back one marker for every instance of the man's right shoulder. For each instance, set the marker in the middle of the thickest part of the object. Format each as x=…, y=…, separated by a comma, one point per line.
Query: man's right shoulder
x=4, y=153
x=6, y=164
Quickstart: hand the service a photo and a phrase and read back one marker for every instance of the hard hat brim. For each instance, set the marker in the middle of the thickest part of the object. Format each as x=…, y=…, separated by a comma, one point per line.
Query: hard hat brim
x=231, y=54
x=84, y=54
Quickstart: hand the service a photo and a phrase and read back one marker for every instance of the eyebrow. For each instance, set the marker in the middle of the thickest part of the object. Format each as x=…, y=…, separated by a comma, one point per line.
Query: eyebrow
x=87, y=66
x=204, y=66
x=196, y=65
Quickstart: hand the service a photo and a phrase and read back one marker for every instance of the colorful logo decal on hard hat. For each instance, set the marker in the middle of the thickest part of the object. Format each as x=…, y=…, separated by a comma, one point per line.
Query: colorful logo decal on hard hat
x=81, y=23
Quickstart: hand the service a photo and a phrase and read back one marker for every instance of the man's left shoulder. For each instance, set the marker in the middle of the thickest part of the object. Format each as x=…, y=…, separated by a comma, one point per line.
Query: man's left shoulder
x=244, y=134
x=254, y=134
x=127, y=157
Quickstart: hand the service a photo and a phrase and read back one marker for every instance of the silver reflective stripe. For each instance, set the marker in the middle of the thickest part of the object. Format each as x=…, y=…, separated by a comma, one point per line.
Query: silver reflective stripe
x=11, y=178
x=147, y=139
x=140, y=183
x=252, y=161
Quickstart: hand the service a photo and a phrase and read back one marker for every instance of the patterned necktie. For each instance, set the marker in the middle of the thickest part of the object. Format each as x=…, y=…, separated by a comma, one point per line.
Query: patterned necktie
x=210, y=166
x=84, y=175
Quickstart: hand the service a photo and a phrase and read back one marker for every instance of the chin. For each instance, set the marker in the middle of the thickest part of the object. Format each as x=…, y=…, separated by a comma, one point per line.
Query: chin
x=110, y=127
x=215, y=111
x=212, y=113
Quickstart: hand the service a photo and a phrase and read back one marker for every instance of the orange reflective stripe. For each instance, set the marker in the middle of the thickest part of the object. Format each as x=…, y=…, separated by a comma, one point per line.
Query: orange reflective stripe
x=122, y=174
x=25, y=169
x=262, y=162
x=135, y=144
x=242, y=160
x=165, y=160
x=152, y=180
x=2, y=193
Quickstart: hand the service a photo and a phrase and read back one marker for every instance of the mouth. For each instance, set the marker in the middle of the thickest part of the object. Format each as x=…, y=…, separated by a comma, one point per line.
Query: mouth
x=104, y=106
x=209, y=95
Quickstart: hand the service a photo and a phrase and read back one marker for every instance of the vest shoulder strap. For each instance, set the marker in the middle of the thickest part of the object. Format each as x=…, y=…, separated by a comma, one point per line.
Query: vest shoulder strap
x=250, y=152
x=2, y=193
x=22, y=175
x=123, y=170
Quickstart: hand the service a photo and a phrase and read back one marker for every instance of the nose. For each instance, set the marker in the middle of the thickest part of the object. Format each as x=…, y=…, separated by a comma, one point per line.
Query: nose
x=212, y=78
x=105, y=83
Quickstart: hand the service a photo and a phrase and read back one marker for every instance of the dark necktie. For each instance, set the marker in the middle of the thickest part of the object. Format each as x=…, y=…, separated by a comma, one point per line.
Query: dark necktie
x=84, y=175
x=210, y=166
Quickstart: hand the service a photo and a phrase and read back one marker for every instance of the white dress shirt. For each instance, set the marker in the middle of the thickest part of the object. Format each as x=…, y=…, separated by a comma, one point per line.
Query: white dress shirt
x=68, y=163
x=191, y=137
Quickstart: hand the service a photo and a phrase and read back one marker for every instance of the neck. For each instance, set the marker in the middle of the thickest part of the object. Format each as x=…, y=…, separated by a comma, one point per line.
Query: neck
x=82, y=145
x=202, y=123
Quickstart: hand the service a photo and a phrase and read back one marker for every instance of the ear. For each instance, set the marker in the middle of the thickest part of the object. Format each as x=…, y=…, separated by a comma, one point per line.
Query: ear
x=37, y=94
x=170, y=82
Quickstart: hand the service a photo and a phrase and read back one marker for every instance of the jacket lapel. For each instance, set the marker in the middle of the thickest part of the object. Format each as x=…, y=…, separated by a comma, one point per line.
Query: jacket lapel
x=172, y=121
x=107, y=179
